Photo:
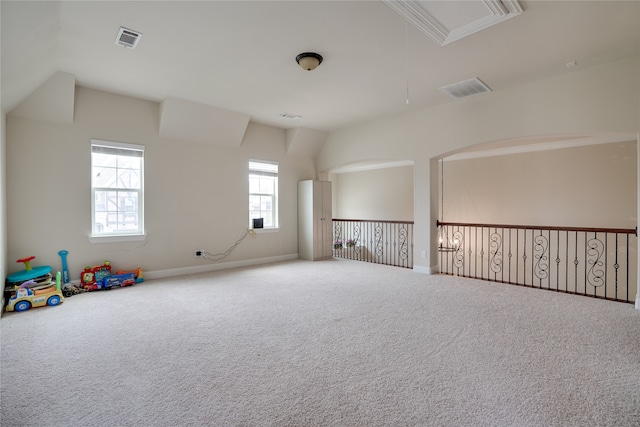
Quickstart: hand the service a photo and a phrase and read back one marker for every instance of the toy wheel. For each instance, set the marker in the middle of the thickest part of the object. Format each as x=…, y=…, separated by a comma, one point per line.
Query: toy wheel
x=53, y=300
x=22, y=306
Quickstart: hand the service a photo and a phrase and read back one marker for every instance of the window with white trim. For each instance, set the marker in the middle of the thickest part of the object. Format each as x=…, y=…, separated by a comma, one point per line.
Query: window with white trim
x=263, y=193
x=116, y=188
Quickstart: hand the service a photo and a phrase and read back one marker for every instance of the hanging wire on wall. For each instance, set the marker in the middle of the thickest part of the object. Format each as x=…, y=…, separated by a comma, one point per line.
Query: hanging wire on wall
x=211, y=257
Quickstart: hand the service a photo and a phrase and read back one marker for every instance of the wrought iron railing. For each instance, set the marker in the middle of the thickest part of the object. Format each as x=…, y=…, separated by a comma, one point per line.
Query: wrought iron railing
x=381, y=242
x=598, y=262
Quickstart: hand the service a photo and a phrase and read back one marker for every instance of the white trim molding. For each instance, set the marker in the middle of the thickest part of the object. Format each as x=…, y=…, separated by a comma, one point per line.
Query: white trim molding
x=428, y=22
x=558, y=144
x=425, y=270
x=174, y=272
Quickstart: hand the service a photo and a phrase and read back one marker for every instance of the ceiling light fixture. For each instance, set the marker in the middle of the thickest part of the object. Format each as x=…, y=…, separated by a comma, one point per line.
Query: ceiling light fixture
x=309, y=60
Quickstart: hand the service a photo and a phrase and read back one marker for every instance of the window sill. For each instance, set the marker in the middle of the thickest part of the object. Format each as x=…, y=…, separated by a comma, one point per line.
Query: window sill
x=266, y=230
x=117, y=238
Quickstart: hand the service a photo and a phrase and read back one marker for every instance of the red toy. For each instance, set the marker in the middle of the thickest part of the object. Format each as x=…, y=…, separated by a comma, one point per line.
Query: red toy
x=91, y=278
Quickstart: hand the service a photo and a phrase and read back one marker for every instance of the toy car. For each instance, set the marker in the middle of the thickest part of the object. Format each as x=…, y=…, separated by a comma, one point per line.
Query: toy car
x=120, y=280
x=25, y=298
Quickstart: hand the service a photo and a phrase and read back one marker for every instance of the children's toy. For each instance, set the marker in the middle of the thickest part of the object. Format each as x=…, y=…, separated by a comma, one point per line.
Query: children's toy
x=29, y=294
x=137, y=273
x=71, y=290
x=91, y=278
x=39, y=274
x=65, y=270
x=119, y=280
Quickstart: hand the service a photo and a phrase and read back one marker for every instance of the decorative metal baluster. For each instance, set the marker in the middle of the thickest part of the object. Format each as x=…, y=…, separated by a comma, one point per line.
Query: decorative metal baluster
x=482, y=252
x=557, y=259
x=337, y=233
x=596, y=271
x=616, y=266
x=379, y=248
x=402, y=236
x=509, y=256
x=517, y=255
x=495, y=253
x=524, y=258
x=566, y=263
x=458, y=254
x=540, y=255
x=628, y=262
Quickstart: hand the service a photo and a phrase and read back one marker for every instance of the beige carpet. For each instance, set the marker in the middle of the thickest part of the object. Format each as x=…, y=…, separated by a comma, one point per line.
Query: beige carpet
x=332, y=343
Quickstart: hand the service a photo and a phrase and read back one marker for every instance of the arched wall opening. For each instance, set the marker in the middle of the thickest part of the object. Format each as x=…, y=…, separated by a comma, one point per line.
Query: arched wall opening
x=558, y=183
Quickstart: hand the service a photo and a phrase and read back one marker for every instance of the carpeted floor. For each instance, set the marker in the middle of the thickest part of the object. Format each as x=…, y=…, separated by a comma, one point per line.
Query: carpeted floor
x=331, y=343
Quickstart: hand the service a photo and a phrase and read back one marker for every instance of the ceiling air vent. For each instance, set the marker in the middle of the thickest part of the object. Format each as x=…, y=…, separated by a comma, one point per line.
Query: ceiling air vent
x=128, y=38
x=466, y=88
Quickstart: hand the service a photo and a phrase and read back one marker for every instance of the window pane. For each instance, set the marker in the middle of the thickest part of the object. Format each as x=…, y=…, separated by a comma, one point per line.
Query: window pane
x=266, y=185
x=268, y=219
x=103, y=160
x=265, y=203
x=129, y=162
x=254, y=203
x=128, y=178
x=254, y=184
x=121, y=213
x=104, y=177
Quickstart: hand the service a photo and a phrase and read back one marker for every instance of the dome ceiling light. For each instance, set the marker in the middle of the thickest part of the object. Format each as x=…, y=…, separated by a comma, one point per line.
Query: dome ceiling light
x=309, y=60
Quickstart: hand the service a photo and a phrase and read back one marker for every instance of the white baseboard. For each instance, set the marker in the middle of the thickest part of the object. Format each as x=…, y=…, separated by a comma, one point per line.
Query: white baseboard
x=422, y=269
x=638, y=301
x=174, y=272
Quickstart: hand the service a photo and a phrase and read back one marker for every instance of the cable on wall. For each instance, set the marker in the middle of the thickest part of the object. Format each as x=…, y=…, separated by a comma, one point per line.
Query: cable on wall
x=222, y=255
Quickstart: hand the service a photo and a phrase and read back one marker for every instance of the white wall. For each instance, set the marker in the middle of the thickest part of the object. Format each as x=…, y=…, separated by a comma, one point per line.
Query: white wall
x=591, y=101
x=196, y=195
x=380, y=194
x=588, y=186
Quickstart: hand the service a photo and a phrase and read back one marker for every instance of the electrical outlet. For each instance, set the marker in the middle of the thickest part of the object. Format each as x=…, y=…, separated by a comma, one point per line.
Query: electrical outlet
x=424, y=254
x=199, y=252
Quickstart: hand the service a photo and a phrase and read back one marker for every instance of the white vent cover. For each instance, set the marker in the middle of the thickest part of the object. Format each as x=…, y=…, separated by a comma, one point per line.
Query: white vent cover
x=128, y=38
x=466, y=88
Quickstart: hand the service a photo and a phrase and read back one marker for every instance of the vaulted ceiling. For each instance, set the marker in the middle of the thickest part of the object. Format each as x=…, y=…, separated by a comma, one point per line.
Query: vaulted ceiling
x=240, y=55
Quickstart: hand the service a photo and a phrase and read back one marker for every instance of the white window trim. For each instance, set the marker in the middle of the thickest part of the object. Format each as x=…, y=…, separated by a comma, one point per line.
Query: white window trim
x=118, y=237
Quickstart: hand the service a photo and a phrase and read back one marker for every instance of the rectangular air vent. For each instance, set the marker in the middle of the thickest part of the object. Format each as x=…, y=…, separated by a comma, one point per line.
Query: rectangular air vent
x=466, y=88
x=128, y=38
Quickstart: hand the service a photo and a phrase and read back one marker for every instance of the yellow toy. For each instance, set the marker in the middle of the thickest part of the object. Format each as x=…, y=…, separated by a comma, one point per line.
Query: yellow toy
x=26, y=297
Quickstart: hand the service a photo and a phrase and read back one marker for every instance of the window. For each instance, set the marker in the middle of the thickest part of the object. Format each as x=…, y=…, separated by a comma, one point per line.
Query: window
x=116, y=188
x=263, y=193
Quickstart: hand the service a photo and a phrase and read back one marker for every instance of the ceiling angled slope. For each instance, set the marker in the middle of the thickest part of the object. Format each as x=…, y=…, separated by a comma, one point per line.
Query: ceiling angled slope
x=448, y=21
x=303, y=141
x=204, y=124
x=53, y=101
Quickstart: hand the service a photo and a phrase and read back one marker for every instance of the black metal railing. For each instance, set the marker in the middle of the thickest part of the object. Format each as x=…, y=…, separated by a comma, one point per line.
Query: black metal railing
x=381, y=242
x=597, y=262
